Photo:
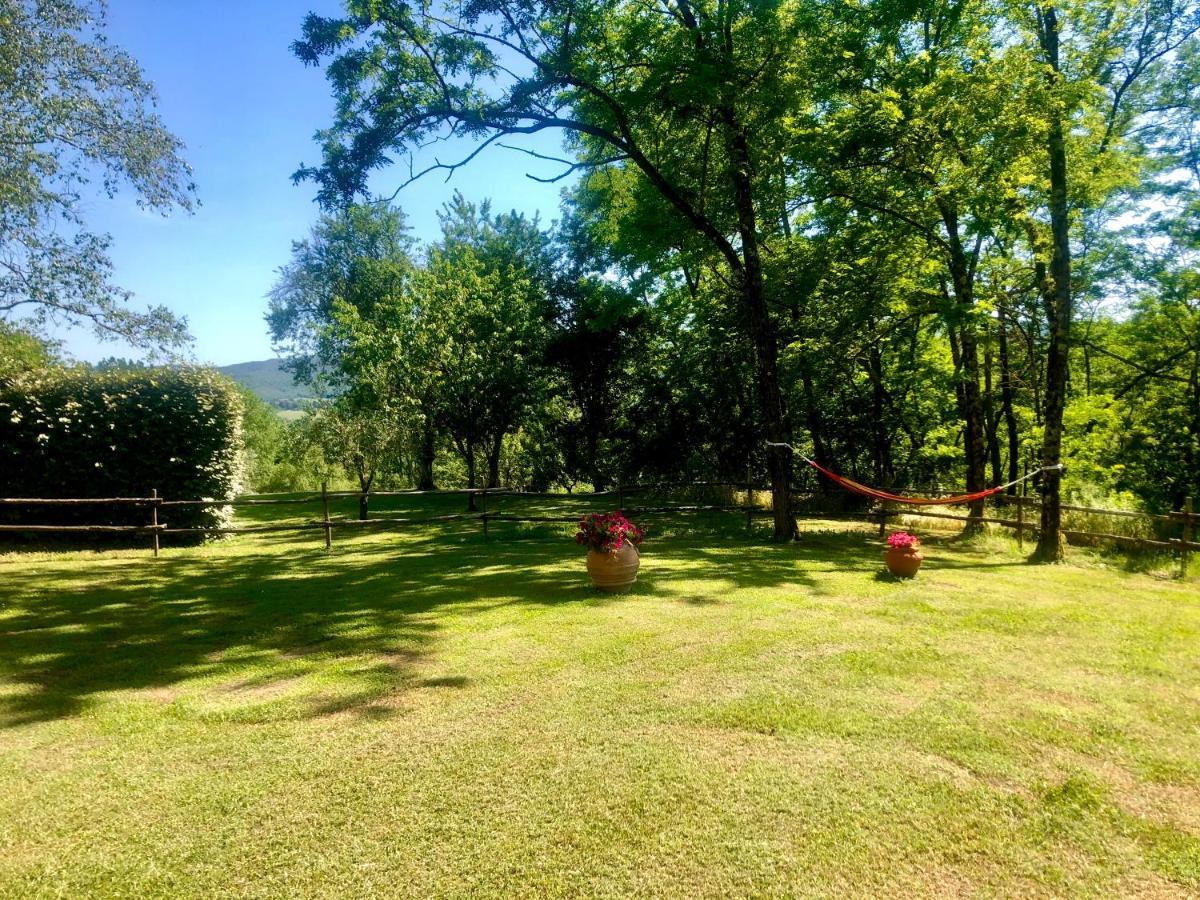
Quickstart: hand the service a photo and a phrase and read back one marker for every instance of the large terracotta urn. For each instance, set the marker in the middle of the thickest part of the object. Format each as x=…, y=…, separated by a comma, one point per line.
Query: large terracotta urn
x=614, y=572
x=903, y=562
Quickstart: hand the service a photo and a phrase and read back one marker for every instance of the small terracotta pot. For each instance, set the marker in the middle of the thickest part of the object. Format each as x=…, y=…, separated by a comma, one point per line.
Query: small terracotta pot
x=903, y=562
x=614, y=572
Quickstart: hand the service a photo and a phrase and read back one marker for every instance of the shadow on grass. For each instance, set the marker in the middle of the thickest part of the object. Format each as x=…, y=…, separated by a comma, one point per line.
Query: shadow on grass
x=150, y=624
x=137, y=624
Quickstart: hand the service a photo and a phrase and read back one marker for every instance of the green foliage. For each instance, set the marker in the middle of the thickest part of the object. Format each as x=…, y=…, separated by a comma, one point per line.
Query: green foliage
x=356, y=436
x=263, y=437
x=80, y=433
x=300, y=463
x=832, y=222
x=456, y=347
x=355, y=257
x=22, y=351
x=78, y=113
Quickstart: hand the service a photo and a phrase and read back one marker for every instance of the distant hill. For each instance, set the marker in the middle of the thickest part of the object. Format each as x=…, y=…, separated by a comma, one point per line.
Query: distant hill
x=268, y=379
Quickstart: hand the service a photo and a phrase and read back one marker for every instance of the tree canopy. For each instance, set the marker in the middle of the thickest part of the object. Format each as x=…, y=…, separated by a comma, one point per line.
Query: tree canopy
x=873, y=230
x=78, y=119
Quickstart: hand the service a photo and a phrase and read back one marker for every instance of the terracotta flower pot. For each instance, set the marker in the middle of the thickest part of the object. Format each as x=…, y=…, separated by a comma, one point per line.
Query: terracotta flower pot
x=903, y=562
x=614, y=572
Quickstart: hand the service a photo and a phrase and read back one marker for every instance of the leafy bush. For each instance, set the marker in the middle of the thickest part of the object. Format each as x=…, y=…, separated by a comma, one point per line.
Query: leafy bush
x=83, y=433
x=22, y=350
x=1102, y=496
x=264, y=437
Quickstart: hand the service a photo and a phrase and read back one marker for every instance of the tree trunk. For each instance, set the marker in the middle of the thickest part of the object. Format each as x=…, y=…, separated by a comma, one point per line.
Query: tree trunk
x=1006, y=404
x=493, y=460
x=880, y=436
x=592, y=438
x=815, y=423
x=813, y=419
x=365, y=480
x=1059, y=313
x=466, y=450
x=761, y=328
x=990, y=417
x=973, y=421
x=970, y=400
x=970, y=411
x=428, y=453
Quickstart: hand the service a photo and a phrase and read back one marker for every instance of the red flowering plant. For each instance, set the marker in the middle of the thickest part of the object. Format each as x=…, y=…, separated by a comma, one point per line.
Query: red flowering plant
x=608, y=532
x=902, y=540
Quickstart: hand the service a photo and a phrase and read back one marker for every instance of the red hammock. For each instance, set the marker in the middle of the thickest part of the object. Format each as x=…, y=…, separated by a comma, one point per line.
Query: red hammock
x=876, y=494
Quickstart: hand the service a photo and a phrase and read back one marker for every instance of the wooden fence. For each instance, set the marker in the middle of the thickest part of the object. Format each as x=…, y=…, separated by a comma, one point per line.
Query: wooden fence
x=1186, y=520
x=1019, y=519
x=326, y=524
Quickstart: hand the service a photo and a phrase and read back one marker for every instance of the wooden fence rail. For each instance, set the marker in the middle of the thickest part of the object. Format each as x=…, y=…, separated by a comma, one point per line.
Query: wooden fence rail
x=1186, y=518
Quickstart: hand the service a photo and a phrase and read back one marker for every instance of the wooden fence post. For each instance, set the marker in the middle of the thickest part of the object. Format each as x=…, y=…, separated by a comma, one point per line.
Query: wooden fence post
x=325, y=514
x=1188, y=534
x=883, y=518
x=154, y=518
x=483, y=506
x=1020, y=501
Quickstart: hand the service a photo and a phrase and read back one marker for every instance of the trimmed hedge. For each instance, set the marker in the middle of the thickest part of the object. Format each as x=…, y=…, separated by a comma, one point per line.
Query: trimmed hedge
x=83, y=433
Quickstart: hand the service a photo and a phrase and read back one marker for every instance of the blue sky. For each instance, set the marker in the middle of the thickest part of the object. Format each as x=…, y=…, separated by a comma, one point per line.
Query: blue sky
x=247, y=109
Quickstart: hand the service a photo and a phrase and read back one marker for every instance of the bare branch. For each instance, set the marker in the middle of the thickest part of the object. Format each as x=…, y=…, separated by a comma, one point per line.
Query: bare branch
x=572, y=165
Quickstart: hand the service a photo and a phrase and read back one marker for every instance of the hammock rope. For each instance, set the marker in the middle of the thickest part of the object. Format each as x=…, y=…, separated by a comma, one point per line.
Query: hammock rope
x=885, y=496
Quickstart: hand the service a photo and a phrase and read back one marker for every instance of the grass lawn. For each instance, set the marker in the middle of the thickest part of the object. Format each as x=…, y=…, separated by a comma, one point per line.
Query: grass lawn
x=428, y=713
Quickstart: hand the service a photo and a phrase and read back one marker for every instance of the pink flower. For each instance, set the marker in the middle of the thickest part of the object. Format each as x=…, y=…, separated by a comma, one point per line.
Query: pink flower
x=608, y=532
x=902, y=540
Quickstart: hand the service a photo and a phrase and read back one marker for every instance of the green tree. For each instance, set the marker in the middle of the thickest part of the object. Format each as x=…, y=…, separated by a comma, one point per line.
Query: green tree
x=77, y=113
x=692, y=96
x=1101, y=59
x=932, y=131
x=356, y=256
x=868, y=353
x=598, y=326
x=358, y=435
x=464, y=344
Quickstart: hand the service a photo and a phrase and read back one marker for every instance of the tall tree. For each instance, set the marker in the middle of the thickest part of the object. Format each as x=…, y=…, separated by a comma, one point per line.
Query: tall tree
x=76, y=114
x=594, y=338
x=599, y=324
x=1098, y=56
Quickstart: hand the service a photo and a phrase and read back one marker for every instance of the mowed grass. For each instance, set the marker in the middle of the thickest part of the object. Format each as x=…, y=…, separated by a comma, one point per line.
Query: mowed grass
x=429, y=713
